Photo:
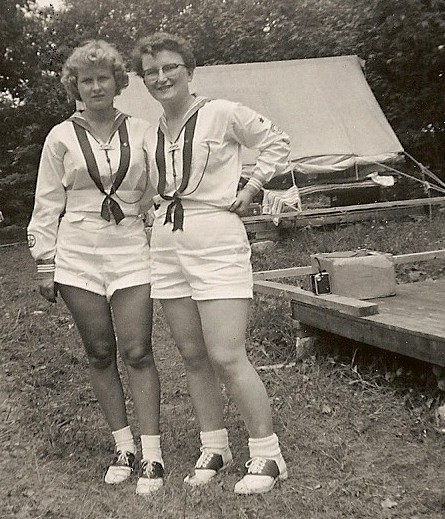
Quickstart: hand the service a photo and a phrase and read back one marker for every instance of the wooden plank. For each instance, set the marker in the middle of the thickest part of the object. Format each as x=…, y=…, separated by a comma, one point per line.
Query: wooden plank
x=419, y=256
x=428, y=327
x=417, y=307
x=416, y=299
x=300, y=220
x=374, y=214
x=282, y=273
x=368, y=330
x=332, y=211
x=347, y=305
x=306, y=270
x=410, y=308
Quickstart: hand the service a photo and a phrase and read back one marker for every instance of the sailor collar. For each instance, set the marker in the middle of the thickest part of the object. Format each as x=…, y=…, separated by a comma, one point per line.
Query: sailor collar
x=198, y=103
x=119, y=119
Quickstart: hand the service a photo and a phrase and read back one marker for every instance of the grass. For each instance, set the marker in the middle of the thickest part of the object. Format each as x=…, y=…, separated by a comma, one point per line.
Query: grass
x=356, y=424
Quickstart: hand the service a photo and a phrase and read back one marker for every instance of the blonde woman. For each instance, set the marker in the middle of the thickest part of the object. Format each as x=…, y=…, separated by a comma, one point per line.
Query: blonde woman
x=90, y=246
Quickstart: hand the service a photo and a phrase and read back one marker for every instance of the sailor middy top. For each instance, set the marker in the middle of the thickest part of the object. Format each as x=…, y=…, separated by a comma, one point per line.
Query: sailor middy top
x=203, y=163
x=80, y=177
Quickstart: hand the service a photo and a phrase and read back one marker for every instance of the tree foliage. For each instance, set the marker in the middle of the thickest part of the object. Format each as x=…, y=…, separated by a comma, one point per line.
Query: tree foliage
x=406, y=68
x=31, y=101
x=402, y=42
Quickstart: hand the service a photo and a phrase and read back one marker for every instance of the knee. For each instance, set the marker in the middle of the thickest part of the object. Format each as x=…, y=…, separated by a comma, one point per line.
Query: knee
x=138, y=356
x=229, y=365
x=101, y=356
x=195, y=358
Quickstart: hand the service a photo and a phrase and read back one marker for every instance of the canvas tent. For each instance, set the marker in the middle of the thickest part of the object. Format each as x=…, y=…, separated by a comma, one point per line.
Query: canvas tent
x=337, y=129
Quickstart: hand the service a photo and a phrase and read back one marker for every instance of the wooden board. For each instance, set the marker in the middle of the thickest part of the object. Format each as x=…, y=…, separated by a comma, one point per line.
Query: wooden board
x=262, y=227
x=419, y=256
x=282, y=273
x=328, y=212
x=267, y=230
x=347, y=305
x=305, y=271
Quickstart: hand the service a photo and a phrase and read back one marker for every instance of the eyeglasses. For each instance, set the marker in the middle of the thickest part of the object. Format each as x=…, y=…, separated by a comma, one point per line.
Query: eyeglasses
x=169, y=70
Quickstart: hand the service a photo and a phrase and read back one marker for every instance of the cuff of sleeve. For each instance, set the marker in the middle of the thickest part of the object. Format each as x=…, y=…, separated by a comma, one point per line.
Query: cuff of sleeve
x=253, y=186
x=46, y=267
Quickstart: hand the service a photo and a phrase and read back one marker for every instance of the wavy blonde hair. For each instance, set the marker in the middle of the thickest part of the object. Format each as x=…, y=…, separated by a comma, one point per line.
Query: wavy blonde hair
x=93, y=53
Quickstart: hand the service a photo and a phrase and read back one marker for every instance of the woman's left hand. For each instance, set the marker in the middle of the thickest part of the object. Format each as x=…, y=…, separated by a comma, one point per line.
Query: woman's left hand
x=47, y=287
x=242, y=201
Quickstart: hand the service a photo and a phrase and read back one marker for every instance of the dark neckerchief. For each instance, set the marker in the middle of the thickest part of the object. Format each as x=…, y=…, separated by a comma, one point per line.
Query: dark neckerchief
x=175, y=207
x=109, y=206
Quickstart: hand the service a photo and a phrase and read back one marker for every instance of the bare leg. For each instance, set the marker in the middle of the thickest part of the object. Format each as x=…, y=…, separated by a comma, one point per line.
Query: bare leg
x=204, y=387
x=91, y=313
x=132, y=313
x=224, y=324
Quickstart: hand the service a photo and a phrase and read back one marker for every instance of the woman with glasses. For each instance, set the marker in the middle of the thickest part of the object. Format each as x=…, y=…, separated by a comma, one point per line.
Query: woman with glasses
x=90, y=245
x=201, y=267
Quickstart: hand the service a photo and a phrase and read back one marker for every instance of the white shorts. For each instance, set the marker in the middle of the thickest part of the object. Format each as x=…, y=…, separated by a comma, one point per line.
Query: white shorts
x=209, y=259
x=100, y=256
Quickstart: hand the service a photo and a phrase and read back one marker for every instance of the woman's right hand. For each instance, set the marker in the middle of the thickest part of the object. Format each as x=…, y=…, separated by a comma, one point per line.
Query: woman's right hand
x=47, y=287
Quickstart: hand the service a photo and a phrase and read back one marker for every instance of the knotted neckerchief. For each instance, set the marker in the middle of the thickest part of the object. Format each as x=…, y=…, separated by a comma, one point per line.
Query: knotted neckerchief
x=109, y=206
x=175, y=207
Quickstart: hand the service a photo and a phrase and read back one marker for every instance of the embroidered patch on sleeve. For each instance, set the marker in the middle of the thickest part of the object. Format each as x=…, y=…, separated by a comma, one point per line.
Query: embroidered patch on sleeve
x=275, y=128
x=31, y=240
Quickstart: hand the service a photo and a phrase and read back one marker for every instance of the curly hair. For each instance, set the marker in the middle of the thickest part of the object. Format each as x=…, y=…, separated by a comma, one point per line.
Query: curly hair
x=158, y=42
x=93, y=53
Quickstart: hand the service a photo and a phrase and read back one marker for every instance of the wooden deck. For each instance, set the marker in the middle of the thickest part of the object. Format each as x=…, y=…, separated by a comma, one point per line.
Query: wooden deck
x=411, y=323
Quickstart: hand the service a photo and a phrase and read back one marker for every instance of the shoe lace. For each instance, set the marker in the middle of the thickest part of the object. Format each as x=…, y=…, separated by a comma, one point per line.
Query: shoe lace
x=122, y=458
x=255, y=465
x=205, y=458
x=146, y=468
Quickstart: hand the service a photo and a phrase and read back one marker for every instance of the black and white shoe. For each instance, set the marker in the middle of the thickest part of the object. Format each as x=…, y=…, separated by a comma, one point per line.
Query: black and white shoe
x=121, y=467
x=208, y=465
x=261, y=475
x=151, y=477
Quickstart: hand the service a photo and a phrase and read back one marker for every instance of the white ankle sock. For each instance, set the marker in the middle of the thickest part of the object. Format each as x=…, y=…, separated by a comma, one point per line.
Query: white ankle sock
x=215, y=440
x=151, y=448
x=267, y=447
x=124, y=440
